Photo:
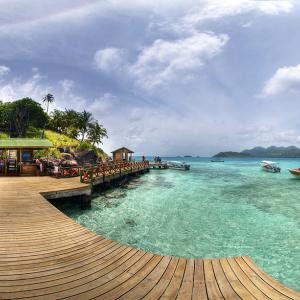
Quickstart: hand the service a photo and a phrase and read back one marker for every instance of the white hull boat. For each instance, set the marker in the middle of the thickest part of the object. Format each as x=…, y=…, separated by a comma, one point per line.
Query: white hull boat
x=178, y=165
x=270, y=166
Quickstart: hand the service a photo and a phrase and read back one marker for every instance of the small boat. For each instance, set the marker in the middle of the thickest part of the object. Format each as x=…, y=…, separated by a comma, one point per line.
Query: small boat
x=158, y=165
x=270, y=166
x=295, y=172
x=178, y=165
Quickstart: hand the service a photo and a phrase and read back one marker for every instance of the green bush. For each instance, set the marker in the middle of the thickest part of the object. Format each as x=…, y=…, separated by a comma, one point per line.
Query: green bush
x=3, y=135
x=85, y=146
x=33, y=132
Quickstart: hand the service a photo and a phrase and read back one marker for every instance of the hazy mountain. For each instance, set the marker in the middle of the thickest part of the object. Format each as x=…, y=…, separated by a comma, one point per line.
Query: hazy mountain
x=272, y=151
x=231, y=154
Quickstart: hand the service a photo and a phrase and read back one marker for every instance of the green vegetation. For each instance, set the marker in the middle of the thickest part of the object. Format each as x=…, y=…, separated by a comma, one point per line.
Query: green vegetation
x=17, y=116
x=77, y=125
x=60, y=140
x=231, y=154
x=3, y=135
x=276, y=152
x=65, y=129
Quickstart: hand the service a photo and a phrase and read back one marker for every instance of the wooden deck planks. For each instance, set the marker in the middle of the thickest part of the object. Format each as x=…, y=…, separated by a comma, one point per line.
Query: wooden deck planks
x=46, y=255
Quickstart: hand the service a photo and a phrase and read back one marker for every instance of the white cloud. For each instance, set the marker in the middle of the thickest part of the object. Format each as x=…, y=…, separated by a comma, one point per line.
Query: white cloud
x=35, y=70
x=4, y=70
x=36, y=87
x=266, y=135
x=103, y=103
x=215, y=9
x=247, y=25
x=285, y=79
x=67, y=85
x=18, y=88
x=200, y=12
x=109, y=59
x=167, y=60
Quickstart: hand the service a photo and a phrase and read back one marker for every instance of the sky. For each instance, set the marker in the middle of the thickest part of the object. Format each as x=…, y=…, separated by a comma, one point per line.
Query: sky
x=165, y=77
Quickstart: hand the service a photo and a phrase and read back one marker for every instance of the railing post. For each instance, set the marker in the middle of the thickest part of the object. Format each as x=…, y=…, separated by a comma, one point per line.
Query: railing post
x=91, y=175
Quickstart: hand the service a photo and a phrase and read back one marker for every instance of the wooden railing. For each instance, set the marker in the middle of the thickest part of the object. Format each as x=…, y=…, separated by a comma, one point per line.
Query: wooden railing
x=72, y=171
x=65, y=172
x=104, y=171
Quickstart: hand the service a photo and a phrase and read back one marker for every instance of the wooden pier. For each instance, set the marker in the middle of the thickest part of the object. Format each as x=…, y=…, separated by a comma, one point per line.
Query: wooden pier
x=46, y=255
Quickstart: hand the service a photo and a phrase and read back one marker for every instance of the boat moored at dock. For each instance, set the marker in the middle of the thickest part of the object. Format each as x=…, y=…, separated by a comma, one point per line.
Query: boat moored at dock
x=158, y=165
x=174, y=165
x=178, y=165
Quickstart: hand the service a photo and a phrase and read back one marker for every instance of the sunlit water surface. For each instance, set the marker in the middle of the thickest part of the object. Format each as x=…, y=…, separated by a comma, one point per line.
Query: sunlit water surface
x=213, y=210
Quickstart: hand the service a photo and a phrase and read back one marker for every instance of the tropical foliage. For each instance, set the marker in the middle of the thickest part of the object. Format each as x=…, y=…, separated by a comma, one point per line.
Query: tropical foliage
x=65, y=128
x=17, y=116
x=96, y=133
x=48, y=99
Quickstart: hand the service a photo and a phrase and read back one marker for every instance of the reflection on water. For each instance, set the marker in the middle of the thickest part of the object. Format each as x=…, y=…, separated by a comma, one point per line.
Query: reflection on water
x=215, y=210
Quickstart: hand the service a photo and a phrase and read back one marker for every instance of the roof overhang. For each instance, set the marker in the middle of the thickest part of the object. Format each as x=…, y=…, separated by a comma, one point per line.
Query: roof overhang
x=122, y=148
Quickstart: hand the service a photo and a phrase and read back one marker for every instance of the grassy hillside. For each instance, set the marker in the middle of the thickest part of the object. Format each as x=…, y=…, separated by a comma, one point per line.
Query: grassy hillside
x=61, y=140
x=3, y=135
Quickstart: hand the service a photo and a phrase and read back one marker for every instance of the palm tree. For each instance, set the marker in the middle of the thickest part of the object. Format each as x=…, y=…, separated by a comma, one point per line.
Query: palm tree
x=49, y=98
x=58, y=121
x=85, y=120
x=96, y=133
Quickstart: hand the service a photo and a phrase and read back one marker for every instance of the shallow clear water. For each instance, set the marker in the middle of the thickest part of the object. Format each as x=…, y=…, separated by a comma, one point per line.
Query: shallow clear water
x=213, y=210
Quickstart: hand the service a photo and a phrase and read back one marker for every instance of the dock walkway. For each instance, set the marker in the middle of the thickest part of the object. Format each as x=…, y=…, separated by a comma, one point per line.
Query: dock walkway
x=46, y=255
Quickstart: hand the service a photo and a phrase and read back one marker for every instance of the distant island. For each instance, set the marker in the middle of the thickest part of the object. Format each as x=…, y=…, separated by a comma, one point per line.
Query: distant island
x=273, y=151
x=231, y=154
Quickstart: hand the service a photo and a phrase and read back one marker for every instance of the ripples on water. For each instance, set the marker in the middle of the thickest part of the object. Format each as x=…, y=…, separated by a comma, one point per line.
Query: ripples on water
x=214, y=210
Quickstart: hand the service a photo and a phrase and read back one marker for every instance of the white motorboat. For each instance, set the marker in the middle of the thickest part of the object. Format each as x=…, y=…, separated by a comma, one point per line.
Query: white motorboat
x=270, y=166
x=178, y=165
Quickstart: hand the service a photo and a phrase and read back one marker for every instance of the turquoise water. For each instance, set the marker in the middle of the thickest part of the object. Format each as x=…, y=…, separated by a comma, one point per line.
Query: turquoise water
x=213, y=210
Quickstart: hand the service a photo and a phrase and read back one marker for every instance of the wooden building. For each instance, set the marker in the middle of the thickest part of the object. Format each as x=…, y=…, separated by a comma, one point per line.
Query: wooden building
x=122, y=154
x=17, y=155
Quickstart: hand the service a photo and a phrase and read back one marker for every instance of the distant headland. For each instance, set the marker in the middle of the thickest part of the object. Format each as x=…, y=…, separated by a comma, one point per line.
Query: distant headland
x=272, y=151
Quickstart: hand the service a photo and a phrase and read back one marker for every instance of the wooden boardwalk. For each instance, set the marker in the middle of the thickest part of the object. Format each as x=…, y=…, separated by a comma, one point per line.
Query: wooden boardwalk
x=46, y=255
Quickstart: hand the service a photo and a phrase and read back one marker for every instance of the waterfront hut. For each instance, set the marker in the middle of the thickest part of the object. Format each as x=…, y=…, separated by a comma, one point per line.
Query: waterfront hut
x=122, y=154
x=17, y=155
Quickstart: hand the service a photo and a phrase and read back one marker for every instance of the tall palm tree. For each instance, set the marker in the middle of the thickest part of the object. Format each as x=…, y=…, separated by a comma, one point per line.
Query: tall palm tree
x=49, y=98
x=85, y=120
